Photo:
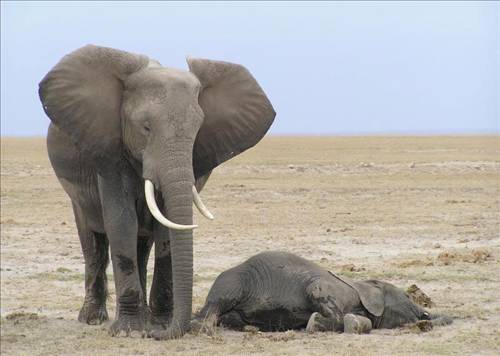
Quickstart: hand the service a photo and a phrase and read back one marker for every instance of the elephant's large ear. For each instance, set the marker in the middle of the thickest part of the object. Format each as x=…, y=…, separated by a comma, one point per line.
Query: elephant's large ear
x=82, y=96
x=237, y=113
x=370, y=293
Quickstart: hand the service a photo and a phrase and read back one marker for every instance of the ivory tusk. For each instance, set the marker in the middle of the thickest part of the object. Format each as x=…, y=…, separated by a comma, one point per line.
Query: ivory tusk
x=199, y=204
x=149, y=191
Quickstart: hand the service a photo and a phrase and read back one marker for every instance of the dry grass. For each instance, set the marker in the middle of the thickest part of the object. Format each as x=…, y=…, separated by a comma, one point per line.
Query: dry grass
x=409, y=210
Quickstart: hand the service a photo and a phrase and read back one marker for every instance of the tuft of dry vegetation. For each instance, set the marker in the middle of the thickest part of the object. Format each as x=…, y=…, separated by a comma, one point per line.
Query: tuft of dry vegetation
x=473, y=256
x=21, y=317
x=422, y=326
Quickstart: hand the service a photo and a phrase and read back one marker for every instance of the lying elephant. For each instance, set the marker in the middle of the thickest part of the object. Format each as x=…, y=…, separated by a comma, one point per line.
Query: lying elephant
x=278, y=291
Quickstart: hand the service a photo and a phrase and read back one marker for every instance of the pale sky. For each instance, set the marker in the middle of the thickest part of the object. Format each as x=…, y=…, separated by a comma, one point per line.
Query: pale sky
x=328, y=68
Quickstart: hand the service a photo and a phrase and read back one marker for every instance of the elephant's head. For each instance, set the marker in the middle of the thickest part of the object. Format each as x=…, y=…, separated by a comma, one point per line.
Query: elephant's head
x=178, y=124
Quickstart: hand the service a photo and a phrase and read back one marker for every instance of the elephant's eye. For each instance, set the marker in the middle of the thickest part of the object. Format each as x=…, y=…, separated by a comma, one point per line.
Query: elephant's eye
x=146, y=128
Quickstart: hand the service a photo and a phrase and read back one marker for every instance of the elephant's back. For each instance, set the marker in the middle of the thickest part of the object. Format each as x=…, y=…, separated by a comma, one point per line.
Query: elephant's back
x=280, y=270
x=275, y=289
x=285, y=265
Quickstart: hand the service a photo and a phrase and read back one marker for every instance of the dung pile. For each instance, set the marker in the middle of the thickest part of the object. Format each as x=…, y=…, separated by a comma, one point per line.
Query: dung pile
x=419, y=297
x=473, y=256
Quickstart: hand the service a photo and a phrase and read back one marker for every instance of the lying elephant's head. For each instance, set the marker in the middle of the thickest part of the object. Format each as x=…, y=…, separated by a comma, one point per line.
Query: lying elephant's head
x=178, y=124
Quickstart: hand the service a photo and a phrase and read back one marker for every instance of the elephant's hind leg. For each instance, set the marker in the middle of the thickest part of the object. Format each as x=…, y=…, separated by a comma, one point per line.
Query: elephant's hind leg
x=95, y=248
x=144, y=245
x=232, y=320
x=219, y=309
x=210, y=316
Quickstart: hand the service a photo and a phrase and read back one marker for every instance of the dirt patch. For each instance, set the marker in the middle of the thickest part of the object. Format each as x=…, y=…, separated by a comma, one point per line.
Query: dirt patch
x=389, y=219
x=415, y=263
x=284, y=336
x=351, y=268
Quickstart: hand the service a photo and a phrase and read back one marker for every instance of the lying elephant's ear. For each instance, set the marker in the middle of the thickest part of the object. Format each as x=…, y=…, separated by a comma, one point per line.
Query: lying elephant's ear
x=82, y=96
x=370, y=293
x=237, y=113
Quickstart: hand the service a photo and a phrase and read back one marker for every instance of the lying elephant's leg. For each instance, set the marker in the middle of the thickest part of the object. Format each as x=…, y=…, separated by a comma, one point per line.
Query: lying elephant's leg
x=232, y=320
x=144, y=245
x=327, y=316
x=209, y=317
x=225, y=294
x=357, y=324
x=318, y=322
x=95, y=253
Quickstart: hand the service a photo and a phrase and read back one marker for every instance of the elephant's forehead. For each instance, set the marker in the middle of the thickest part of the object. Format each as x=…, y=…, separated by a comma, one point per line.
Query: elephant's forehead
x=162, y=77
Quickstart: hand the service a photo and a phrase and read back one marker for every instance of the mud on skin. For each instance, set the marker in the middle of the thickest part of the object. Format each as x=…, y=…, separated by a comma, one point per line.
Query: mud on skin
x=126, y=264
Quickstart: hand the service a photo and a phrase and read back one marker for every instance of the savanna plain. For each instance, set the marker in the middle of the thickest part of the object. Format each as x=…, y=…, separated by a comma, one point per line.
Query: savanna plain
x=408, y=210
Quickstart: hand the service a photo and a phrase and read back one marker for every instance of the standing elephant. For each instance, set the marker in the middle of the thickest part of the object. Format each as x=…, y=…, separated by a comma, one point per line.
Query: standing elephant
x=131, y=140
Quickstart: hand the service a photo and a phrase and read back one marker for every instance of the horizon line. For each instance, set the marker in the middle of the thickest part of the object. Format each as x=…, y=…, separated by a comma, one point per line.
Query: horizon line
x=346, y=134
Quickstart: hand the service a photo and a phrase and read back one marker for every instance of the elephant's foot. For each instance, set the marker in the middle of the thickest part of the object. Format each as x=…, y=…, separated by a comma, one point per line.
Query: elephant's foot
x=357, y=324
x=93, y=313
x=129, y=325
x=132, y=316
x=318, y=322
x=314, y=325
x=159, y=321
x=164, y=327
x=171, y=332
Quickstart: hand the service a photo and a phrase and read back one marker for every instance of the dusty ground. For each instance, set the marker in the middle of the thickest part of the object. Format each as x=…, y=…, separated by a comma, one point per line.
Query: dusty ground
x=421, y=210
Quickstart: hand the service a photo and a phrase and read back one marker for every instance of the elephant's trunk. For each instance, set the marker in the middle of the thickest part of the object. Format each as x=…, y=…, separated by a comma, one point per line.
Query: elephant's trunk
x=174, y=178
x=181, y=242
x=176, y=185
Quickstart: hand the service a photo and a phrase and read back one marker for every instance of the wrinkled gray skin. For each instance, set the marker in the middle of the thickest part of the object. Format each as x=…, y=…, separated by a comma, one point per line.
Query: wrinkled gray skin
x=278, y=291
x=119, y=118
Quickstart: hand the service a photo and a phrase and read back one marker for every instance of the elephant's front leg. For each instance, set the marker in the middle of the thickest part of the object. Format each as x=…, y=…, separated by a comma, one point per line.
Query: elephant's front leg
x=120, y=221
x=161, y=296
x=350, y=323
x=327, y=315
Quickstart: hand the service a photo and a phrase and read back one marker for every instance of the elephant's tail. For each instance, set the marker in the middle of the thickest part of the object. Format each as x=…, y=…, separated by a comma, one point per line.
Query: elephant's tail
x=205, y=321
x=208, y=310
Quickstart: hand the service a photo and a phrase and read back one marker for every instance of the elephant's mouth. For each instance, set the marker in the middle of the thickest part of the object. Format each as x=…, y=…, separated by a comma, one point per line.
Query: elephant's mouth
x=149, y=191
